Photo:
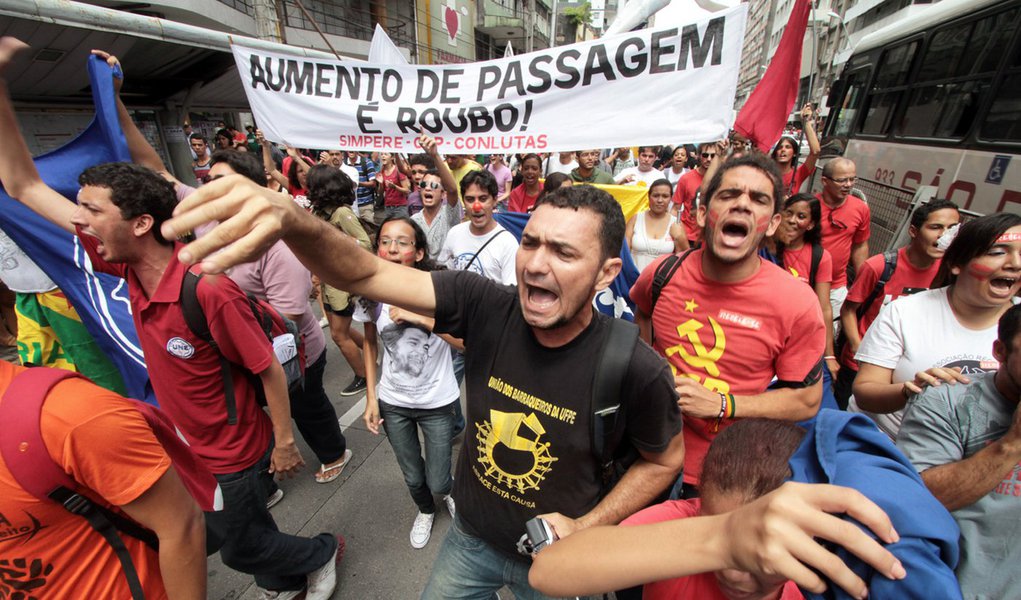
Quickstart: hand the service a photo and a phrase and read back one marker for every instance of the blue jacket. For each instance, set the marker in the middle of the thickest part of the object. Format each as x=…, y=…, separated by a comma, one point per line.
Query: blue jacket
x=847, y=449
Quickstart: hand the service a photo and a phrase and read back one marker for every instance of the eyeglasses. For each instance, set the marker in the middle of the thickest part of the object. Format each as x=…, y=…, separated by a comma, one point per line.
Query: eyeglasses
x=708, y=155
x=402, y=243
x=431, y=185
x=842, y=180
x=835, y=224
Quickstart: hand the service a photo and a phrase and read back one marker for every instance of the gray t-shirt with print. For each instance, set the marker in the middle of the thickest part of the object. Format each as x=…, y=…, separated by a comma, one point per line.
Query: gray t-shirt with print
x=947, y=424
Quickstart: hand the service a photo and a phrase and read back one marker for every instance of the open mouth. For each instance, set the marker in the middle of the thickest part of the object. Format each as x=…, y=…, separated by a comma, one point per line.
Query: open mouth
x=1003, y=285
x=540, y=298
x=733, y=234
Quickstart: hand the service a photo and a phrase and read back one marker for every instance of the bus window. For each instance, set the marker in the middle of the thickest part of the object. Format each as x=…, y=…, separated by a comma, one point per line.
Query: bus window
x=891, y=77
x=955, y=75
x=1003, y=121
x=852, y=100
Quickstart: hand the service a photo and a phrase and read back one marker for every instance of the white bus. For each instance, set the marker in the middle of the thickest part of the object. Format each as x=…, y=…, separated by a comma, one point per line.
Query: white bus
x=935, y=101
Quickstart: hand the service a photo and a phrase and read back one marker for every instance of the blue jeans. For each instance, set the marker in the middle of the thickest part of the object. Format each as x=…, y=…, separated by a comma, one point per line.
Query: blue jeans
x=430, y=476
x=395, y=211
x=253, y=544
x=468, y=568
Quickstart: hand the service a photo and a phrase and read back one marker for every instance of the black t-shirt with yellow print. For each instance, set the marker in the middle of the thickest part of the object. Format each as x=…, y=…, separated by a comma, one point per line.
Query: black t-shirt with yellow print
x=527, y=446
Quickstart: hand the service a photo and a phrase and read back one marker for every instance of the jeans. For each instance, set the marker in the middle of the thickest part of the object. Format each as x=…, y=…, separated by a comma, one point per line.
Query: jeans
x=253, y=544
x=468, y=568
x=424, y=478
x=396, y=211
x=315, y=416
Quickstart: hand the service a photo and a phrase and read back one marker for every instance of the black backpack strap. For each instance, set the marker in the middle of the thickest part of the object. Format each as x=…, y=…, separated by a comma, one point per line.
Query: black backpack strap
x=37, y=474
x=816, y=259
x=664, y=273
x=107, y=523
x=476, y=255
x=607, y=384
x=195, y=317
x=889, y=266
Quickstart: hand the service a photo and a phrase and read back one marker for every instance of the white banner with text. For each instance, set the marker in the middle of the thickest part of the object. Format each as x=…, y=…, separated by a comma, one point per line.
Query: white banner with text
x=657, y=86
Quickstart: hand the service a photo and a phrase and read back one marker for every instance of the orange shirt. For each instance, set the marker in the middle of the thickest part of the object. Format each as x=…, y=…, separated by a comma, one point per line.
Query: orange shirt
x=103, y=443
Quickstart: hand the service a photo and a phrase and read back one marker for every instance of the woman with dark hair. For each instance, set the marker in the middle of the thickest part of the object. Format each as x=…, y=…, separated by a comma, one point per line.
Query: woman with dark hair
x=677, y=166
x=330, y=194
x=417, y=392
x=799, y=250
x=746, y=461
x=786, y=152
x=295, y=165
x=523, y=197
x=553, y=182
x=654, y=232
x=944, y=334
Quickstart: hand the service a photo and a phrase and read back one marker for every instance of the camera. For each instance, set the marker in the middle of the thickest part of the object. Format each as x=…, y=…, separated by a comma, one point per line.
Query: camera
x=538, y=535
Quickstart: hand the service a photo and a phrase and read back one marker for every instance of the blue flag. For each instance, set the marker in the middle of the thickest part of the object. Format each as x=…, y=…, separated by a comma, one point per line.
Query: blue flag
x=101, y=300
x=615, y=300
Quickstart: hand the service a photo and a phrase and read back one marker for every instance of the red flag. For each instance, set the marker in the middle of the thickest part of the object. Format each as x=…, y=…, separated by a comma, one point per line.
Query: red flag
x=763, y=116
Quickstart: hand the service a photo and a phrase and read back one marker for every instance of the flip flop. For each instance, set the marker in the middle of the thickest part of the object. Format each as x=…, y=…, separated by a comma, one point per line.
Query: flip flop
x=328, y=474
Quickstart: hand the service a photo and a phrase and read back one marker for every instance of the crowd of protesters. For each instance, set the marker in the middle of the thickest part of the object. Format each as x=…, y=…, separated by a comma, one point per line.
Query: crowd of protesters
x=781, y=373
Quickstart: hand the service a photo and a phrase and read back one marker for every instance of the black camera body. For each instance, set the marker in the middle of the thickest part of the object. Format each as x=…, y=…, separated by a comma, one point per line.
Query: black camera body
x=538, y=535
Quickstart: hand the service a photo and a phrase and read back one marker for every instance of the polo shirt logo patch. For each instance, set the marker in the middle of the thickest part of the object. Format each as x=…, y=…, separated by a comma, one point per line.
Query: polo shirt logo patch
x=180, y=348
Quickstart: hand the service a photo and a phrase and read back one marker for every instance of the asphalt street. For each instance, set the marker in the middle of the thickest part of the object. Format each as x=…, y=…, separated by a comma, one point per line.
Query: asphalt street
x=368, y=504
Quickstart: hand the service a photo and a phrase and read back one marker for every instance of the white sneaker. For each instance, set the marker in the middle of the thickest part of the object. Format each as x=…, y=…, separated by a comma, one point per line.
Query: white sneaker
x=449, y=500
x=275, y=498
x=264, y=594
x=422, y=530
x=323, y=580
x=324, y=322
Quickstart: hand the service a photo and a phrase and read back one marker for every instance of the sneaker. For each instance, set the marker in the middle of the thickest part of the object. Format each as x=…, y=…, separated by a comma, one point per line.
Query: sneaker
x=264, y=594
x=357, y=385
x=324, y=322
x=275, y=498
x=422, y=530
x=449, y=500
x=323, y=580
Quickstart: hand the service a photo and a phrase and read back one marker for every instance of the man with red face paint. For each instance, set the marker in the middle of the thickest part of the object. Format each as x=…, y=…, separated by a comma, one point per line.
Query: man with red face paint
x=730, y=322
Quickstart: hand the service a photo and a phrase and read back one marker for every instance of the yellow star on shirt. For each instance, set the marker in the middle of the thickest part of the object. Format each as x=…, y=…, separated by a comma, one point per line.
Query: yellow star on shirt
x=690, y=306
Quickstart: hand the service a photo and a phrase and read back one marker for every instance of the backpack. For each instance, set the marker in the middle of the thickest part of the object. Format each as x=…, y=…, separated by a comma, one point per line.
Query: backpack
x=613, y=454
x=283, y=333
x=813, y=270
x=889, y=266
x=664, y=273
x=25, y=454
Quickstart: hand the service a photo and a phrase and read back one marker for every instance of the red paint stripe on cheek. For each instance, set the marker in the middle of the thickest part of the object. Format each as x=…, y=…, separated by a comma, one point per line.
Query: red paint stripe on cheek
x=980, y=272
x=713, y=218
x=763, y=224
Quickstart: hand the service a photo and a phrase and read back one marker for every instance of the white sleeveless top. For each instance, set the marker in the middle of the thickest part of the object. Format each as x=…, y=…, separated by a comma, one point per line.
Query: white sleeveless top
x=644, y=250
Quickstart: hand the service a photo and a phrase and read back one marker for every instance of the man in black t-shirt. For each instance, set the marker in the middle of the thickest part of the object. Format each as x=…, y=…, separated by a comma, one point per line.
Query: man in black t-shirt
x=528, y=443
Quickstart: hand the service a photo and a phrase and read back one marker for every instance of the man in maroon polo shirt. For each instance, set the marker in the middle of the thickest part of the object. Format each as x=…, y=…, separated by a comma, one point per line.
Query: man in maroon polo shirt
x=120, y=209
x=846, y=225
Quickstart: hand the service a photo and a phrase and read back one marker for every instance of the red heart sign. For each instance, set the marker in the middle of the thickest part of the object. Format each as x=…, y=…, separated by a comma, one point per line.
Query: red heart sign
x=450, y=16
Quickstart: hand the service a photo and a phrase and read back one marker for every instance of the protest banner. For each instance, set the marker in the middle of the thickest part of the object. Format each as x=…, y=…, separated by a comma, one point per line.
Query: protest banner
x=656, y=86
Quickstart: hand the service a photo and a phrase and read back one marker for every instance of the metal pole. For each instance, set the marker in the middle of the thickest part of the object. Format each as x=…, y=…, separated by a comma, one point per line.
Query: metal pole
x=553, y=28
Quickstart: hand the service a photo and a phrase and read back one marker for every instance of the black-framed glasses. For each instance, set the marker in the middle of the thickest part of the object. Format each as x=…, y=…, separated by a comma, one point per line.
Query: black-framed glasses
x=708, y=155
x=430, y=185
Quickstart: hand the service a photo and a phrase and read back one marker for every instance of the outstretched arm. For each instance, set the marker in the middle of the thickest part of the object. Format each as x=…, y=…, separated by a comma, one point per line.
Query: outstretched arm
x=446, y=177
x=17, y=171
x=773, y=535
x=251, y=218
x=808, y=125
x=142, y=153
